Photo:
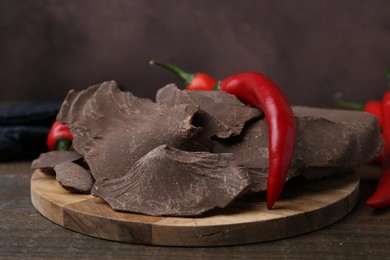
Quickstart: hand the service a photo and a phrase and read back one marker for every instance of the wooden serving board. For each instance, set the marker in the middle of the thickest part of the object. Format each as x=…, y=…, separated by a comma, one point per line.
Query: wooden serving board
x=306, y=205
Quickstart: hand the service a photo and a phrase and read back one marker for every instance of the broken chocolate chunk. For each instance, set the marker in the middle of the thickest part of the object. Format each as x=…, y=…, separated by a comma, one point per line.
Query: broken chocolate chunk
x=74, y=177
x=335, y=139
x=171, y=182
x=220, y=114
x=47, y=161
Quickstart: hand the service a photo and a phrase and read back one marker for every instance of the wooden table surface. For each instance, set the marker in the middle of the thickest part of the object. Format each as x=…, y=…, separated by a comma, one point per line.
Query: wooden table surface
x=25, y=234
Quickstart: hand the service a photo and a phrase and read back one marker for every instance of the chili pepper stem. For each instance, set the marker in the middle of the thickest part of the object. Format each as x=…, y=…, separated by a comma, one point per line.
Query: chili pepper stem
x=63, y=144
x=337, y=98
x=217, y=86
x=185, y=76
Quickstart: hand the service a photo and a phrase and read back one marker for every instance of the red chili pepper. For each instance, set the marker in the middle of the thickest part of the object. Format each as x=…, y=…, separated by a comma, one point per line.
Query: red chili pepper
x=381, y=197
x=192, y=81
x=375, y=107
x=256, y=89
x=59, y=137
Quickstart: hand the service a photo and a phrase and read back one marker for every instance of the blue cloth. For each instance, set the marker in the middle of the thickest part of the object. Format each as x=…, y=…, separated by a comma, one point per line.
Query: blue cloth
x=24, y=128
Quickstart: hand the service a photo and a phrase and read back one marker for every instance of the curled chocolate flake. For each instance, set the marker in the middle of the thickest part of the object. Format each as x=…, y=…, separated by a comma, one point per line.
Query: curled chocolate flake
x=220, y=114
x=172, y=182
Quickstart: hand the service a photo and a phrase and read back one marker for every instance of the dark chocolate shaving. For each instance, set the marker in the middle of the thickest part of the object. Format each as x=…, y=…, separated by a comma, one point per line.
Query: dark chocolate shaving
x=220, y=114
x=74, y=177
x=47, y=161
x=171, y=182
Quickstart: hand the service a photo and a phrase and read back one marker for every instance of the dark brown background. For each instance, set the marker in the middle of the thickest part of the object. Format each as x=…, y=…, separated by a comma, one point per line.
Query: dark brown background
x=310, y=48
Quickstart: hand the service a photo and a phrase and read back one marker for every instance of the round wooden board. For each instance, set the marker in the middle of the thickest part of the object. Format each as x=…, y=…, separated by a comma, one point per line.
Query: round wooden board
x=306, y=205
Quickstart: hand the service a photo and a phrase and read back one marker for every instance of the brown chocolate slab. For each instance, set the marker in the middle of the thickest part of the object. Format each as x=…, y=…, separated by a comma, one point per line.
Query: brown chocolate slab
x=305, y=206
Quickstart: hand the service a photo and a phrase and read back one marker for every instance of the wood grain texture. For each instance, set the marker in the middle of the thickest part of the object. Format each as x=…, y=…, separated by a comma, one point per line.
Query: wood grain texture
x=25, y=234
x=306, y=205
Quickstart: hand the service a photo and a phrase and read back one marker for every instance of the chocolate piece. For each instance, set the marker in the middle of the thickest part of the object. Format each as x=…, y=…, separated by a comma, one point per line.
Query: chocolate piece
x=337, y=140
x=47, y=161
x=220, y=114
x=172, y=182
x=74, y=177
